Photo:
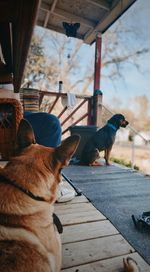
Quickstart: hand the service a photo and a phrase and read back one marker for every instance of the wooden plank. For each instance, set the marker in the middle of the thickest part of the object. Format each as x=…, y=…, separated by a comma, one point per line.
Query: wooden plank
x=82, y=217
x=100, y=3
x=77, y=199
x=93, y=250
x=87, y=231
x=111, y=265
x=69, y=209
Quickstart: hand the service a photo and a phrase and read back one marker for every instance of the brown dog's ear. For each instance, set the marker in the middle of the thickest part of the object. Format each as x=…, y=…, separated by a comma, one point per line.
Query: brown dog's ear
x=65, y=151
x=25, y=135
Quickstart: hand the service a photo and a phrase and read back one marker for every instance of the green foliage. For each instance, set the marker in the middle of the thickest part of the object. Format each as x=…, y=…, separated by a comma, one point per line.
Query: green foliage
x=123, y=162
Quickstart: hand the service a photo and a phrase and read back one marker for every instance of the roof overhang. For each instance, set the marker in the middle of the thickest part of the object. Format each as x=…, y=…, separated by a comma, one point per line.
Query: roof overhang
x=94, y=16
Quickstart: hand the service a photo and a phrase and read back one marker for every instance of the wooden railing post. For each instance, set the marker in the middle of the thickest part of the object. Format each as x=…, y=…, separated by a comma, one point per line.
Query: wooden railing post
x=97, y=94
x=97, y=108
x=90, y=108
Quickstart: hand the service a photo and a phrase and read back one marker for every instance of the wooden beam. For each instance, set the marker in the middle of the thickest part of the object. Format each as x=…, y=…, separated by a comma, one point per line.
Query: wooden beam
x=90, y=113
x=97, y=67
x=62, y=112
x=73, y=18
x=108, y=19
x=49, y=12
x=100, y=3
x=52, y=93
x=6, y=48
x=7, y=11
x=76, y=122
x=75, y=110
x=54, y=103
x=40, y=98
x=70, y=17
x=22, y=28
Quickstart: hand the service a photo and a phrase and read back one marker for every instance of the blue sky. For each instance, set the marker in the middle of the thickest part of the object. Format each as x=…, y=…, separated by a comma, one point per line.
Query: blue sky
x=136, y=82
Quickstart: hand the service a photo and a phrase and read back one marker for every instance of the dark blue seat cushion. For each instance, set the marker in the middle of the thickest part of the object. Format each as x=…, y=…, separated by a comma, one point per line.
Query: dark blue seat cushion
x=46, y=127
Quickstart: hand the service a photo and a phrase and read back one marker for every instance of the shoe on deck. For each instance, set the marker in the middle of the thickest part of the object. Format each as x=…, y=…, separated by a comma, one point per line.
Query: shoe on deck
x=64, y=194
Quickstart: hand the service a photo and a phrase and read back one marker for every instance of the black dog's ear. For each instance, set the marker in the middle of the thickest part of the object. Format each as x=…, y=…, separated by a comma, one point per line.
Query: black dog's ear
x=25, y=135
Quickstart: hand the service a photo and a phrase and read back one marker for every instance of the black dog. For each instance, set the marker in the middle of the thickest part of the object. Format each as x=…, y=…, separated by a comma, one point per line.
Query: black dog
x=103, y=139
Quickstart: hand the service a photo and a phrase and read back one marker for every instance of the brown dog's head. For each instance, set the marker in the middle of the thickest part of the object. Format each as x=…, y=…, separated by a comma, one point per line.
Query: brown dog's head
x=39, y=167
x=118, y=120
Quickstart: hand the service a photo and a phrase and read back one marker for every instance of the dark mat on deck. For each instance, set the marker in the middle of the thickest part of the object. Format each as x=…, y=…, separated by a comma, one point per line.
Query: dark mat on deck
x=117, y=193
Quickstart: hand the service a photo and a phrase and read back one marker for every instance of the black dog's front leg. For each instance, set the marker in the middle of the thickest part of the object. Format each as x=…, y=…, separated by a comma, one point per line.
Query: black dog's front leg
x=107, y=155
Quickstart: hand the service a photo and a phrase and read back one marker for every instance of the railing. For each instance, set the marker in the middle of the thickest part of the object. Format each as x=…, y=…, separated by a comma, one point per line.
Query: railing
x=66, y=116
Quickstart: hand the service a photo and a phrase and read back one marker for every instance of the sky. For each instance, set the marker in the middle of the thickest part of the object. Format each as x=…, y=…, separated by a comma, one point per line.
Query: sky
x=134, y=82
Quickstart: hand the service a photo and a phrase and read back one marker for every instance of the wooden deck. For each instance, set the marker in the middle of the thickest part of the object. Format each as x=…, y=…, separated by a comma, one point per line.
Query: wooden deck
x=90, y=243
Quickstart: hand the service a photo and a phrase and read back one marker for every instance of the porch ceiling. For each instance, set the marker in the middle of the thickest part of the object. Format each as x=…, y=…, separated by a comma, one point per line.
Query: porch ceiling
x=93, y=15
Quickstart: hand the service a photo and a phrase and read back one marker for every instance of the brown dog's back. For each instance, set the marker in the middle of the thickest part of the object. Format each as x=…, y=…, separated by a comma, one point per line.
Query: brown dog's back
x=19, y=256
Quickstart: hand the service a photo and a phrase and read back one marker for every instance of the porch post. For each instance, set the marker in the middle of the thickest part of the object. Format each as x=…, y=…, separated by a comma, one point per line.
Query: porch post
x=97, y=70
x=97, y=94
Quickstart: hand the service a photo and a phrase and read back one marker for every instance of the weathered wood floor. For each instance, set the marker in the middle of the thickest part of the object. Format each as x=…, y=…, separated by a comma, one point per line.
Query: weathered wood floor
x=90, y=242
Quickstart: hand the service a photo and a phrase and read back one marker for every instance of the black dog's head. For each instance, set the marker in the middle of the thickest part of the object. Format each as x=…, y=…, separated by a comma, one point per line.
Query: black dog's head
x=118, y=120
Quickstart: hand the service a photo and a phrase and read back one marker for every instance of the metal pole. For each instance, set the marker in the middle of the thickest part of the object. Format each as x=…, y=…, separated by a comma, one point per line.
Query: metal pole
x=133, y=154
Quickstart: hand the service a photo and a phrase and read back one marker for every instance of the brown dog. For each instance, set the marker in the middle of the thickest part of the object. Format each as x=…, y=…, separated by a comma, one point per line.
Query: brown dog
x=29, y=240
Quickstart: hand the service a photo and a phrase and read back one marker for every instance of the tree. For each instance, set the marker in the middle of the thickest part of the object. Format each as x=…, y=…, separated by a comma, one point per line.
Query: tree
x=39, y=68
x=120, y=49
